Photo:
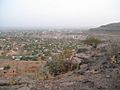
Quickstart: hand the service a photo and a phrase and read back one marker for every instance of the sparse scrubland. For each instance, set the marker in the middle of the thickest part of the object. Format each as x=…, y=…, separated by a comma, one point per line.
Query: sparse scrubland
x=89, y=63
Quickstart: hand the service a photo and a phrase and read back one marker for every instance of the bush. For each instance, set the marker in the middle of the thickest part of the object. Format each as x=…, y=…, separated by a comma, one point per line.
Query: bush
x=6, y=67
x=56, y=67
x=92, y=41
x=113, y=51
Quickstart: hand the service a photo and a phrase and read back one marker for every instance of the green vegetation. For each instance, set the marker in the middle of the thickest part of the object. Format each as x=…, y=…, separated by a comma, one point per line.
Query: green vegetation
x=35, y=47
x=92, y=41
x=56, y=67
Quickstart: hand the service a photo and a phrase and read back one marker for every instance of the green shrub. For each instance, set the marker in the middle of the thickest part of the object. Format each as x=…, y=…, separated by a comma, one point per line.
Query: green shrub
x=92, y=41
x=56, y=67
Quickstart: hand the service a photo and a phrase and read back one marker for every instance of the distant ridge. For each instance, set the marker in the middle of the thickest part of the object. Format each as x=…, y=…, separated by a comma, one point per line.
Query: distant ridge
x=109, y=27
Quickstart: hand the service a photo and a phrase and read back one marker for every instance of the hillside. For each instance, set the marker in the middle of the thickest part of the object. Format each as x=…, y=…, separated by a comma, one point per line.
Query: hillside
x=48, y=63
x=109, y=27
x=96, y=72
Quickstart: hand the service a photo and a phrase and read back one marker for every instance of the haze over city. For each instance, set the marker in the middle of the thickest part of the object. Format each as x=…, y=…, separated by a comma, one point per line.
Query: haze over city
x=58, y=13
x=59, y=45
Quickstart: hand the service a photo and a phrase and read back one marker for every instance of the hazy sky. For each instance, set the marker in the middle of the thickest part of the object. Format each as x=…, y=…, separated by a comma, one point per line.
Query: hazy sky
x=58, y=13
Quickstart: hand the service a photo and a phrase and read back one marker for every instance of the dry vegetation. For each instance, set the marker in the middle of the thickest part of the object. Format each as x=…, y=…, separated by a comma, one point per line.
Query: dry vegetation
x=88, y=63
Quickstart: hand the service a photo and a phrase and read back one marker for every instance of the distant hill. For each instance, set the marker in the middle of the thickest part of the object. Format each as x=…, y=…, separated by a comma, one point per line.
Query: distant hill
x=114, y=27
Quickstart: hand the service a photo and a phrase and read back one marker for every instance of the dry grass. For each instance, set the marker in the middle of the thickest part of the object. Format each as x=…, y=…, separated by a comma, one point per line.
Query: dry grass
x=18, y=68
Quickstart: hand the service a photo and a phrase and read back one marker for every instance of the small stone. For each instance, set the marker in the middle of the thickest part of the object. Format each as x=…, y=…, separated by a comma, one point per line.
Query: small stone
x=108, y=76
